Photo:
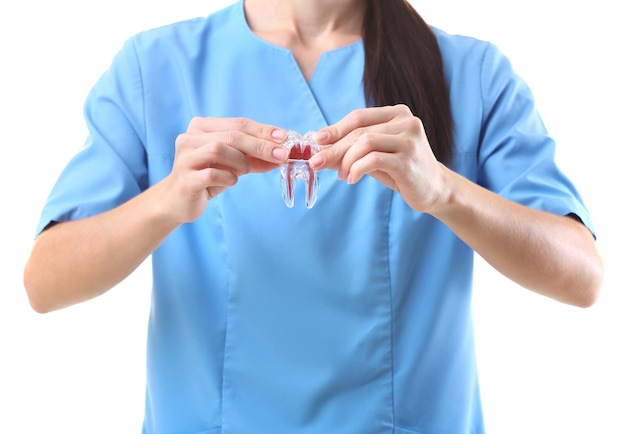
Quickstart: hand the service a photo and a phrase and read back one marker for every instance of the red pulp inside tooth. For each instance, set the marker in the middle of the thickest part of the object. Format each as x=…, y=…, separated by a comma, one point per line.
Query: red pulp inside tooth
x=299, y=152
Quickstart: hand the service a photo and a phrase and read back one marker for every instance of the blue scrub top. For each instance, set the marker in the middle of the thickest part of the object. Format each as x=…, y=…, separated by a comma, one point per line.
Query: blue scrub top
x=351, y=317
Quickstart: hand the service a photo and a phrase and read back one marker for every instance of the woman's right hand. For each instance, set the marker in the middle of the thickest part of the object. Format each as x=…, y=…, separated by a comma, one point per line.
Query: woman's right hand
x=211, y=156
x=78, y=260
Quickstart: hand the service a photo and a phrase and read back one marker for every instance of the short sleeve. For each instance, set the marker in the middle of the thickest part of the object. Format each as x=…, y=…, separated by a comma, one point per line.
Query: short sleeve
x=516, y=155
x=110, y=168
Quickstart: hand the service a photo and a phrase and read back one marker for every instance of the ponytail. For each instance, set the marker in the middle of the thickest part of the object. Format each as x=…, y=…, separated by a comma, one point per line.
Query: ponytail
x=403, y=65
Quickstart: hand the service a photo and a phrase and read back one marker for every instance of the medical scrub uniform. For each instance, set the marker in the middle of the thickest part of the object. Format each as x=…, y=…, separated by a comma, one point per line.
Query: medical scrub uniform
x=350, y=317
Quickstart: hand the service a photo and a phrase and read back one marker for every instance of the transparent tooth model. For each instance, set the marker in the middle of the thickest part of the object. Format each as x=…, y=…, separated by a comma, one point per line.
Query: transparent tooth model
x=301, y=148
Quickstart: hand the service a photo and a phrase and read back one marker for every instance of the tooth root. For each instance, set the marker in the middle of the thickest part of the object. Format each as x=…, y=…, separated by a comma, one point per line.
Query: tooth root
x=287, y=180
x=313, y=186
x=289, y=175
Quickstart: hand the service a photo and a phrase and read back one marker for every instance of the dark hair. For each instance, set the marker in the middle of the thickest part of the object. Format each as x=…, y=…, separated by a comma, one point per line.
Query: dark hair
x=403, y=65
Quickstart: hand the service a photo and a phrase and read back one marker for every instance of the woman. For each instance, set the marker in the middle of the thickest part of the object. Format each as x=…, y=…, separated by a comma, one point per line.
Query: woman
x=350, y=317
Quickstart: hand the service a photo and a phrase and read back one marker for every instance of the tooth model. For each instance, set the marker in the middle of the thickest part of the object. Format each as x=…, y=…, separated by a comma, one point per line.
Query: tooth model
x=301, y=148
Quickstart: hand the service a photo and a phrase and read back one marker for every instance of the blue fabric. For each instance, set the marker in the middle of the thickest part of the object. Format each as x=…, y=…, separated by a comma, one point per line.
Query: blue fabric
x=351, y=317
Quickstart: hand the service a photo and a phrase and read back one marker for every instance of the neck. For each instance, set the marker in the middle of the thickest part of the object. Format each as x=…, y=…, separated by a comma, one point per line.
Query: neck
x=306, y=21
x=306, y=27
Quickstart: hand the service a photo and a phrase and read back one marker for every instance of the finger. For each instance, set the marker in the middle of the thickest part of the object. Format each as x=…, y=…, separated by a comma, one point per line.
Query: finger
x=213, y=154
x=248, y=126
x=356, y=144
x=382, y=165
x=255, y=139
x=392, y=120
x=359, y=118
x=332, y=157
x=260, y=166
x=213, y=177
x=212, y=180
x=256, y=148
x=223, y=156
x=368, y=143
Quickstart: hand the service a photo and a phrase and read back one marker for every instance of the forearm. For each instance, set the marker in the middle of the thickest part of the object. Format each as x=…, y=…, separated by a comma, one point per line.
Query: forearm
x=75, y=261
x=553, y=255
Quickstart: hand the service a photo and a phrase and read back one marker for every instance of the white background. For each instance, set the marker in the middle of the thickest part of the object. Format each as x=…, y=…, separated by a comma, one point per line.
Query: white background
x=545, y=368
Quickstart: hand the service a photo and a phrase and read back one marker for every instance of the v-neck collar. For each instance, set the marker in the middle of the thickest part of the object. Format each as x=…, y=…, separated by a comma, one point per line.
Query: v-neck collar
x=253, y=36
x=316, y=92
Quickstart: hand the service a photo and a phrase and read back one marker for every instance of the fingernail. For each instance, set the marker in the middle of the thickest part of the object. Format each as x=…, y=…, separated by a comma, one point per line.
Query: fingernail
x=316, y=160
x=279, y=153
x=322, y=136
x=279, y=134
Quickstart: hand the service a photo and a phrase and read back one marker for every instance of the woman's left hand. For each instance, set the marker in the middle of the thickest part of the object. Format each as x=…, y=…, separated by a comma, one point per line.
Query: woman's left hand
x=389, y=144
x=550, y=254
